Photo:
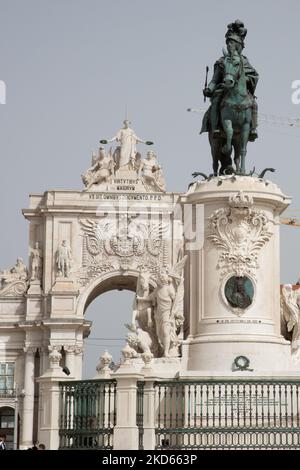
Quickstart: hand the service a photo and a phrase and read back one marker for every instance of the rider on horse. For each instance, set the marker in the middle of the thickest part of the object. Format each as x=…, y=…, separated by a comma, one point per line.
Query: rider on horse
x=235, y=42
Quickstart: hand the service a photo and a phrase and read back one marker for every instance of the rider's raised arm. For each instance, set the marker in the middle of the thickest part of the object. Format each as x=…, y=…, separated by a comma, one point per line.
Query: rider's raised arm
x=218, y=76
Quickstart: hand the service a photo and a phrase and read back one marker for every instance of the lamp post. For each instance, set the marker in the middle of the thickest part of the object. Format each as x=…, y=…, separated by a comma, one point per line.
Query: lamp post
x=16, y=420
x=16, y=415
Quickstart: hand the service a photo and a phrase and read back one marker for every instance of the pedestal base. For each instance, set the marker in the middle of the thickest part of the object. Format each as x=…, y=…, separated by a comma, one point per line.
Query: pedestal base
x=218, y=354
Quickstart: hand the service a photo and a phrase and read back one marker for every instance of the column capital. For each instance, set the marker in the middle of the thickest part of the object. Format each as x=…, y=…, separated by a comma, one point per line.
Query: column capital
x=54, y=355
x=70, y=348
x=28, y=349
x=78, y=349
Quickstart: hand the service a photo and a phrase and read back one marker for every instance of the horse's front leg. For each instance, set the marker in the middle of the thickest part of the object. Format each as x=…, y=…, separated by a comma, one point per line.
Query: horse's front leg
x=227, y=126
x=134, y=316
x=237, y=154
x=244, y=140
x=215, y=151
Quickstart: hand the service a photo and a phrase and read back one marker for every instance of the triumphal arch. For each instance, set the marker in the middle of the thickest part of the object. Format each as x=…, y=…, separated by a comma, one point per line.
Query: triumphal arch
x=211, y=357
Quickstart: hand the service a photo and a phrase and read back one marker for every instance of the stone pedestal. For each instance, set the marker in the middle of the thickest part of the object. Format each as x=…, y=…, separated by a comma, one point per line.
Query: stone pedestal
x=234, y=298
x=49, y=404
x=126, y=435
x=63, y=297
x=149, y=415
x=34, y=288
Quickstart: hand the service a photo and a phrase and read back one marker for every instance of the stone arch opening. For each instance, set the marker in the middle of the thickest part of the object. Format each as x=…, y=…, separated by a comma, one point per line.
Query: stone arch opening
x=7, y=425
x=109, y=311
x=118, y=283
x=110, y=281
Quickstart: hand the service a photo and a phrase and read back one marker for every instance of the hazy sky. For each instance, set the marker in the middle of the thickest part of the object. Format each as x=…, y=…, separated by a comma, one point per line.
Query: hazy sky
x=71, y=67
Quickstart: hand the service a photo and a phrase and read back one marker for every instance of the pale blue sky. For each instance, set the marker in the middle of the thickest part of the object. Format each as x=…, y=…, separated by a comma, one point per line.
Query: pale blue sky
x=71, y=67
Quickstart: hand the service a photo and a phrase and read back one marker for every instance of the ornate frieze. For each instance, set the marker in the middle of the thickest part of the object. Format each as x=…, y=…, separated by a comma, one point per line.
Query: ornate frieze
x=121, y=243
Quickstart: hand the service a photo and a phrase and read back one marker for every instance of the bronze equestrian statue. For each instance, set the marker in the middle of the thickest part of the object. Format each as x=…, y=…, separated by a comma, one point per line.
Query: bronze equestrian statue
x=231, y=120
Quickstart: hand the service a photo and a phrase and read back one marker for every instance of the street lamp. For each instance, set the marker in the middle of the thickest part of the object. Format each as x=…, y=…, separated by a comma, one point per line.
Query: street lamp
x=16, y=416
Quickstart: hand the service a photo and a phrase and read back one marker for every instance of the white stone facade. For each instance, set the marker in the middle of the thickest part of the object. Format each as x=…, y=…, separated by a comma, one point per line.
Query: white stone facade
x=88, y=242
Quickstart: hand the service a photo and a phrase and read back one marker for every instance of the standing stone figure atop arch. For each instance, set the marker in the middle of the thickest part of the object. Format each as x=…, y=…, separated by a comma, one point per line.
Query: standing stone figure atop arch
x=128, y=141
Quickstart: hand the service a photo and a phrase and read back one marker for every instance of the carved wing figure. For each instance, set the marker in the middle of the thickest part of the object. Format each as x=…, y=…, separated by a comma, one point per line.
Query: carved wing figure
x=156, y=232
x=96, y=232
x=176, y=270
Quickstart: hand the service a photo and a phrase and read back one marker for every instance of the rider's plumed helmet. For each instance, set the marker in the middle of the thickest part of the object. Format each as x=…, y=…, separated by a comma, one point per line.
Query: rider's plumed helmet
x=237, y=32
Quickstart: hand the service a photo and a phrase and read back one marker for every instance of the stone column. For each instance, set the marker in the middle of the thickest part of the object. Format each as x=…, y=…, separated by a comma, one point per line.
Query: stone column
x=70, y=350
x=49, y=401
x=78, y=362
x=149, y=414
x=44, y=353
x=28, y=402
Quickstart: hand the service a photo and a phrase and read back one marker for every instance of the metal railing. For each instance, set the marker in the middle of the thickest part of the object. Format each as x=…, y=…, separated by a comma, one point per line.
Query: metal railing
x=227, y=414
x=88, y=414
x=7, y=393
x=140, y=412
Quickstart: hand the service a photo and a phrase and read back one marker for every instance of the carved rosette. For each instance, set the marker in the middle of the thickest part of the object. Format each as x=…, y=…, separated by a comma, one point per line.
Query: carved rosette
x=124, y=243
x=239, y=231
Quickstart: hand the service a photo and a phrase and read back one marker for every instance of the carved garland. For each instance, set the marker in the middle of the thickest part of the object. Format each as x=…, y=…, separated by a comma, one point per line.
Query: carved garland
x=240, y=232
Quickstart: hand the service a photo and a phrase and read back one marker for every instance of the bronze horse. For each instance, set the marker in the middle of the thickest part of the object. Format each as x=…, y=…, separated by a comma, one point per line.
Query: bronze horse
x=235, y=117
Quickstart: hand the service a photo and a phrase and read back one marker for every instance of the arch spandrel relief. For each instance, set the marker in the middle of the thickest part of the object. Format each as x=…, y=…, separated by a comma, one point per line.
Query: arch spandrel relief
x=125, y=242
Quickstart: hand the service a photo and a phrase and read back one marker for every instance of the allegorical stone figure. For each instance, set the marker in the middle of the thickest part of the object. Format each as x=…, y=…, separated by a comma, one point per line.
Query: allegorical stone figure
x=290, y=311
x=128, y=141
x=167, y=300
x=102, y=169
x=36, y=257
x=16, y=273
x=163, y=298
x=152, y=172
x=157, y=317
x=63, y=259
x=142, y=336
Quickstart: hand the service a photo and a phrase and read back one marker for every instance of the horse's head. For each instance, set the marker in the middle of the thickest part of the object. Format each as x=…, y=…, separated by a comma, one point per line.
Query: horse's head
x=143, y=283
x=232, y=68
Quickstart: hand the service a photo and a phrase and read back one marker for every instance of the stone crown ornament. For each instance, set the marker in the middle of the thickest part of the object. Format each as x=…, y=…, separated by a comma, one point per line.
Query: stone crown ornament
x=240, y=200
